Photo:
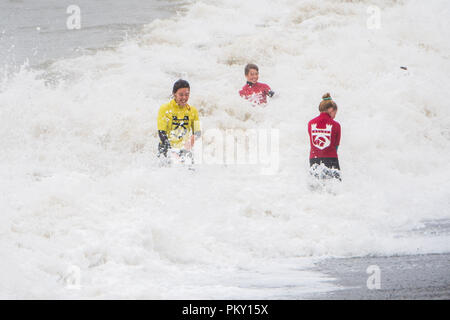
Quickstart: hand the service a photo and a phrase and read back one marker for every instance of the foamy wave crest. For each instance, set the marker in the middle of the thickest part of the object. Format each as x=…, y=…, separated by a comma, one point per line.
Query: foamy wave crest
x=81, y=186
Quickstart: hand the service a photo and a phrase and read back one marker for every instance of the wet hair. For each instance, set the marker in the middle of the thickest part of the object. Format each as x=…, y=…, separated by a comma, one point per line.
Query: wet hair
x=179, y=84
x=326, y=103
x=250, y=66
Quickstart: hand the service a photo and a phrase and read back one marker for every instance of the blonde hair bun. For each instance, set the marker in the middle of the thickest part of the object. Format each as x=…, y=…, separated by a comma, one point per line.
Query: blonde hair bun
x=327, y=96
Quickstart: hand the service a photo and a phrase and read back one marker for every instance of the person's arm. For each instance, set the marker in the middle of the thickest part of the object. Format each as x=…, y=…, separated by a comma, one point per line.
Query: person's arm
x=338, y=136
x=195, y=130
x=164, y=139
x=268, y=92
x=244, y=92
x=163, y=127
x=309, y=132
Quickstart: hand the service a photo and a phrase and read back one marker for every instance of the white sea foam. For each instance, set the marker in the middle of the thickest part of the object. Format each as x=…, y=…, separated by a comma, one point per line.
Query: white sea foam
x=80, y=186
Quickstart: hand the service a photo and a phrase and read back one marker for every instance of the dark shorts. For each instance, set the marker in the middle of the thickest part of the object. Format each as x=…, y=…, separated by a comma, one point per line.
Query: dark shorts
x=332, y=163
x=329, y=163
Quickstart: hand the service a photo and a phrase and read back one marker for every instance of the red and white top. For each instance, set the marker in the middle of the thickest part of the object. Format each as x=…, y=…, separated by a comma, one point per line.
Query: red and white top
x=255, y=92
x=324, y=136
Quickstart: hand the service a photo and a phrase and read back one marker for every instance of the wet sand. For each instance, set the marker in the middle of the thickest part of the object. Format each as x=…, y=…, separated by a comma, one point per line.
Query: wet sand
x=411, y=277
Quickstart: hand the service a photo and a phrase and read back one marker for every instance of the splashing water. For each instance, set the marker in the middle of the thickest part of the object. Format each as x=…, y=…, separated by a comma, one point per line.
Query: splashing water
x=81, y=185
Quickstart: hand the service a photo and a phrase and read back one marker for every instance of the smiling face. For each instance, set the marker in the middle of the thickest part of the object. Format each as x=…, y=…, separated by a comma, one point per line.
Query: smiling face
x=252, y=76
x=182, y=96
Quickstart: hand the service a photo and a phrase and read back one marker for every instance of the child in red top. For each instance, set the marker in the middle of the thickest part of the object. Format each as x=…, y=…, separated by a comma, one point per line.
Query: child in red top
x=255, y=91
x=325, y=136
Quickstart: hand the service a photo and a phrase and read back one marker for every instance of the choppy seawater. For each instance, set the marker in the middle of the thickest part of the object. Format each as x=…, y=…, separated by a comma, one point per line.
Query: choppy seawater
x=81, y=188
x=37, y=31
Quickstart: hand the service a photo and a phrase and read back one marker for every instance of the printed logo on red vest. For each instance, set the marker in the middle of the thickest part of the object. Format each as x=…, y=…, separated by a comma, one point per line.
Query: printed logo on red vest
x=321, y=138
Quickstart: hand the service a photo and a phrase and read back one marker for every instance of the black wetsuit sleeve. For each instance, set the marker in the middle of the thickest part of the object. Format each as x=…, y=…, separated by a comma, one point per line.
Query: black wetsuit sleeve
x=163, y=137
x=164, y=145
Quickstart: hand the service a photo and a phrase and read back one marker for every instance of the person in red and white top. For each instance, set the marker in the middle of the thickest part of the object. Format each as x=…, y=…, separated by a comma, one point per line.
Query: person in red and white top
x=253, y=90
x=325, y=136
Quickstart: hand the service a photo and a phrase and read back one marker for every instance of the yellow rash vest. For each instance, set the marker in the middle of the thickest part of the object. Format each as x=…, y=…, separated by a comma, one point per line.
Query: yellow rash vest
x=180, y=123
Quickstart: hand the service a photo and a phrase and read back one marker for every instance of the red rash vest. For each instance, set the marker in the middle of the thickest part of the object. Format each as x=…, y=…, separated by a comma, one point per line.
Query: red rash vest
x=324, y=136
x=255, y=92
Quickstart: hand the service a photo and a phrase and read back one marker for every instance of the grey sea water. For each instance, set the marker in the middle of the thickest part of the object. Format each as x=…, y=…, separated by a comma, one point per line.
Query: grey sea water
x=36, y=31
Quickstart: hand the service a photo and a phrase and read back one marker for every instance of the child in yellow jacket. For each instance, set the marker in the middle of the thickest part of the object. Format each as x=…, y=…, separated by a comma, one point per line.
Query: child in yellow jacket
x=178, y=122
